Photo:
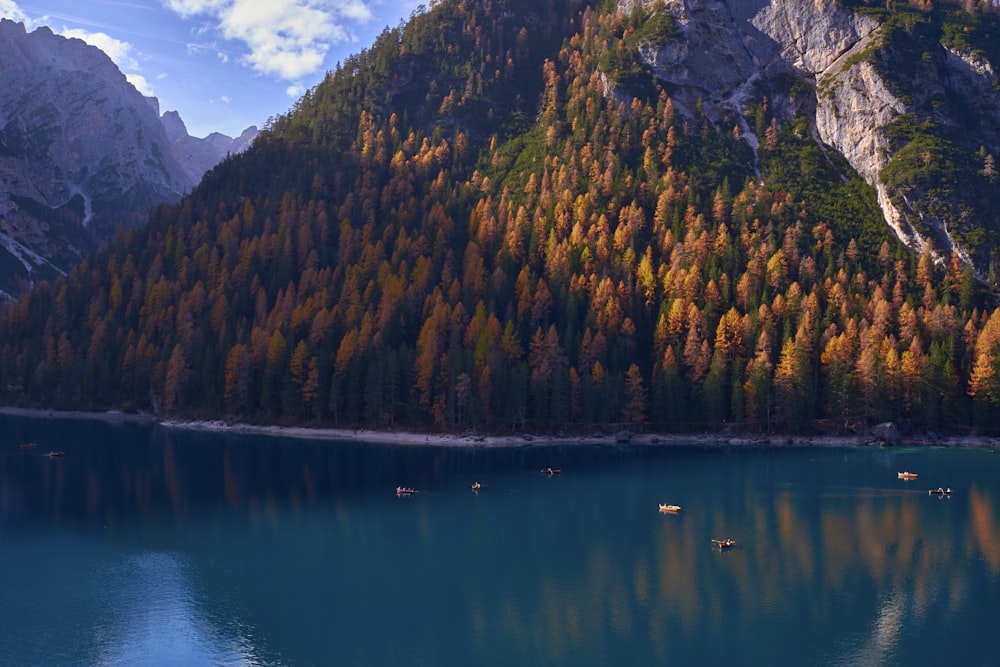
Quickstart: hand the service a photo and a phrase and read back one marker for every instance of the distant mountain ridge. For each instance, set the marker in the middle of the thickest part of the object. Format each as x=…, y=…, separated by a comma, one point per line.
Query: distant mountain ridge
x=81, y=152
x=197, y=155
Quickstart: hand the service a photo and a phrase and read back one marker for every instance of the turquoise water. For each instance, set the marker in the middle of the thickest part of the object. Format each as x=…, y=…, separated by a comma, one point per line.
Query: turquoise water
x=145, y=546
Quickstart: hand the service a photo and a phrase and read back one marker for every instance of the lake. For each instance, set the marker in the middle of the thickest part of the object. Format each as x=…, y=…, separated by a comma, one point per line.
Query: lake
x=150, y=546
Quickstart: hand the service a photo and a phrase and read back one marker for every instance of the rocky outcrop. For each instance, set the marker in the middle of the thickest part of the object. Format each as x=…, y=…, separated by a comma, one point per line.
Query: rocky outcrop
x=731, y=48
x=854, y=106
x=886, y=434
x=953, y=92
x=81, y=152
x=732, y=52
x=811, y=36
x=197, y=155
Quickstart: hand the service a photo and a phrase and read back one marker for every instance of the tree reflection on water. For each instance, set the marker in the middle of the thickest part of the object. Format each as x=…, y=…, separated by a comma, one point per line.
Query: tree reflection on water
x=834, y=555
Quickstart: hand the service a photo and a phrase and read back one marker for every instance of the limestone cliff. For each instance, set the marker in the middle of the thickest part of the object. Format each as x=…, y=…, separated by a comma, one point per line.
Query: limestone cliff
x=872, y=78
x=196, y=155
x=81, y=152
x=77, y=153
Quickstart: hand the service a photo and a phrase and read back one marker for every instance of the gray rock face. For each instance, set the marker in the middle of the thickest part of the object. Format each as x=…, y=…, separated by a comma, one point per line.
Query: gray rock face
x=79, y=148
x=731, y=49
x=198, y=155
x=855, y=106
x=728, y=45
x=886, y=433
x=81, y=152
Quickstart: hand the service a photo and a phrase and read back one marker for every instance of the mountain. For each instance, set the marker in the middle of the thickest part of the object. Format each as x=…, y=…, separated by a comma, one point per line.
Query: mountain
x=909, y=97
x=81, y=152
x=196, y=155
x=556, y=216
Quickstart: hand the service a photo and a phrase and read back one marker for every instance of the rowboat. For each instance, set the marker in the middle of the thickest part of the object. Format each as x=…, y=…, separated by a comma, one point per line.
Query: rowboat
x=405, y=491
x=476, y=486
x=671, y=509
x=551, y=471
x=55, y=455
x=725, y=544
x=907, y=475
x=940, y=492
x=27, y=445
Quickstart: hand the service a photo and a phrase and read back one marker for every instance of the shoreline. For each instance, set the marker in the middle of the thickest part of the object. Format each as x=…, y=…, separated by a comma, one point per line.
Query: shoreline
x=411, y=438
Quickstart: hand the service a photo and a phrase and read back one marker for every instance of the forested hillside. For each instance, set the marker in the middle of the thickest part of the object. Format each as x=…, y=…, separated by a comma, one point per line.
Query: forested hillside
x=468, y=226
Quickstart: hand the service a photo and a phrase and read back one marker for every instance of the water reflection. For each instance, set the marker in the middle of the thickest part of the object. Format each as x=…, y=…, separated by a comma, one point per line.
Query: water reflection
x=72, y=602
x=262, y=551
x=121, y=470
x=151, y=610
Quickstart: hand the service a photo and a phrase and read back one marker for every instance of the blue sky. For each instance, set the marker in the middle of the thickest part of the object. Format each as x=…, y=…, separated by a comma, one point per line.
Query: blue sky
x=222, y=64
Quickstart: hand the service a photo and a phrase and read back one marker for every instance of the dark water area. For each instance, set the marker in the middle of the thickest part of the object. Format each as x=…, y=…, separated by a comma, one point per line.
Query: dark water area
x=149, y=546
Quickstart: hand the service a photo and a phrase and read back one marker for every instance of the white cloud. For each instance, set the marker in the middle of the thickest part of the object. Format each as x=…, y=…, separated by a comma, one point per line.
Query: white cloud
x=295, y=90
x=10, y=10
x=355, y=10
x=188, y=8
x=140, y=83
x=287, y=39
x=120, y=53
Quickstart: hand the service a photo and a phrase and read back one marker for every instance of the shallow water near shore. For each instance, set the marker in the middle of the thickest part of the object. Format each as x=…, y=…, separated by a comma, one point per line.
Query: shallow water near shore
x=151, y=546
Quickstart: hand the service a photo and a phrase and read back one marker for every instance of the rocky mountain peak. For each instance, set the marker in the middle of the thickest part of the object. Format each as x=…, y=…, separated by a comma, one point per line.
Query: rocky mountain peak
x=81, y=152
x=198, y=155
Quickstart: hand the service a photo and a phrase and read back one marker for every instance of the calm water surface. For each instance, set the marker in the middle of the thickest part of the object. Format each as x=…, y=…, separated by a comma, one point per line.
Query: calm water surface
x=145, y=546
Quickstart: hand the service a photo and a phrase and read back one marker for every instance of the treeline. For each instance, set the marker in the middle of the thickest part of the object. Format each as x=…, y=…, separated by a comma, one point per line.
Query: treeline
x=389, y=255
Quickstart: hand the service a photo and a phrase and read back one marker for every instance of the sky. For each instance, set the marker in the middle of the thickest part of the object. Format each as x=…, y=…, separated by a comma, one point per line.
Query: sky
x=223, y=65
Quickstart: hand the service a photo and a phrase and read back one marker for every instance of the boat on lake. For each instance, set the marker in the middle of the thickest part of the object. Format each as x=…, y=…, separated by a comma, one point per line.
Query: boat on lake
x=940, y=492
x=551, y=471
x=55, y=454
x=476, y=486
x=27, y=445
x=405, y=491
x=907, y=475
x=725, y=544
x=669, y=509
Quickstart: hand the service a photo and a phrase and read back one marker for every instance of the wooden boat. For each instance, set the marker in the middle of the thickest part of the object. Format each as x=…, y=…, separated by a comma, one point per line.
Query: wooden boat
x=551, y=471
x=907, y=475
x=405, y=491
x=55, y=455
x=476, y=486
x=725, y=544
x=669, y=509
x=940, y=492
